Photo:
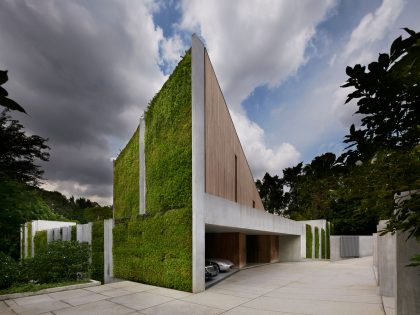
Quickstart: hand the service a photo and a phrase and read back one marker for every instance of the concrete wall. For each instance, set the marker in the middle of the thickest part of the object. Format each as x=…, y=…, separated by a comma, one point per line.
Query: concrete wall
x=335, y=248
x=407, y=278
x=386, y=262
x=375, y=249
x=289, y=248
x=365, y=245
x=321, y=224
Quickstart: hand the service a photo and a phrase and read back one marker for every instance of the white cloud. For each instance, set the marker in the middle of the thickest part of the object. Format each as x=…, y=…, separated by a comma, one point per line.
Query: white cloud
x=254, y=43
x=262, y=158
x=372, y=28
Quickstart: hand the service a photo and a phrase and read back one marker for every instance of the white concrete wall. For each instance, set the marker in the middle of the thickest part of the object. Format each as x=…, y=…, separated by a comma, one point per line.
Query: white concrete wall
x=407, y=287
x=365, y=245
x=289, y=248
x=108, y=260
x=84, y=232
x=198, y=165
x=375, y=249
x=387, y=271
x=335, y=248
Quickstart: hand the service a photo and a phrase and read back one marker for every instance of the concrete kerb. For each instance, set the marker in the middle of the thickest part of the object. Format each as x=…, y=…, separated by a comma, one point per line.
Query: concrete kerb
x=92, y=283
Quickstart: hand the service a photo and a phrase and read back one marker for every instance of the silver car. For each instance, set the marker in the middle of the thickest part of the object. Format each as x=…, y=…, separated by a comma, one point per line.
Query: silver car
x=221, y=264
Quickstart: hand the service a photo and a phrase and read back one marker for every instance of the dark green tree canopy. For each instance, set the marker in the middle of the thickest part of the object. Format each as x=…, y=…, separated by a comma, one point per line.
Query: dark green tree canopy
x=388, y=97
x=18, y=152
x=4, y=100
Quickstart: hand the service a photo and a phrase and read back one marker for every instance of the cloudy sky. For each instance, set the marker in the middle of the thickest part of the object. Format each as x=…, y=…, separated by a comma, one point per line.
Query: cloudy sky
x=85, y=70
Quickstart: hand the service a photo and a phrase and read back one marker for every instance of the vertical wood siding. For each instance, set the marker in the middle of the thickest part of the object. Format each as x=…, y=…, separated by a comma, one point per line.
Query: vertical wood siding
x=222, y=144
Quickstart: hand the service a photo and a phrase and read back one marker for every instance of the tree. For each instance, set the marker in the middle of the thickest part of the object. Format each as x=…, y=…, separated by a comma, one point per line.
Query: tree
x=271, y=192
x=4, y=100
x=388, y=97
x=18, y=152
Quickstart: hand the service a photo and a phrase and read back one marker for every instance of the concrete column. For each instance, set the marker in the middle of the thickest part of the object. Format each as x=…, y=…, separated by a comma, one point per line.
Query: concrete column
x=387, y=272
x=289, y=248
x=66, y=233
x=142, y=167
x=21, y=243
x=335, y=248
x=57, y=234
x=198, y=165
x=375, y=249
x=50, y=235
x=84, y=232
x=408, y=278
x=108, y=260
x=25, y=240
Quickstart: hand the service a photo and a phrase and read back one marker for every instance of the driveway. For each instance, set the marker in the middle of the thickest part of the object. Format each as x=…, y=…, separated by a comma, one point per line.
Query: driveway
x=309, y=287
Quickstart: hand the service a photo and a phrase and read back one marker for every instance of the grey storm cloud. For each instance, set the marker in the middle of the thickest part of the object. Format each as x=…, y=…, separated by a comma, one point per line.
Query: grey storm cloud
x=84, y=71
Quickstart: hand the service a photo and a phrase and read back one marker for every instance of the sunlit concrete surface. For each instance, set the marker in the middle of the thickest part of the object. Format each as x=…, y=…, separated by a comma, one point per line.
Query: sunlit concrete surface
x=309, y=287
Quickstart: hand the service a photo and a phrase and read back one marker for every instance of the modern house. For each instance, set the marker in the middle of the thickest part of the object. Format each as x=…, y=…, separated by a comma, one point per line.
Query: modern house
x=183, y=179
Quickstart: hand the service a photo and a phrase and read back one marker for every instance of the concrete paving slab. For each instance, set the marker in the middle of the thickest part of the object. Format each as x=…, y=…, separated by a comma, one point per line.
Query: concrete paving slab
x=241, y=310
x=4, y=309
x=33, y=299
x=314, y=307
x=170, y=293
x=84, y=299
x=178, y=307
x=216, y=300
x=142, y=300
x=138, y=287
x=96, y=308
x=69, y=294
x=101, y=288
x=39, y=308
x=115, y=292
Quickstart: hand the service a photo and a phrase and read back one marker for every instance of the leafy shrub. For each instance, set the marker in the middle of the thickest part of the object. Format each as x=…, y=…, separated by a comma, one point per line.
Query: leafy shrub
x=316, y=242
x=323, y=249
x=60, y=261
x=40, y=241
x=9, y=271
x=98, y=250
x=328, y=241
x=309, y=240
x=74, y=233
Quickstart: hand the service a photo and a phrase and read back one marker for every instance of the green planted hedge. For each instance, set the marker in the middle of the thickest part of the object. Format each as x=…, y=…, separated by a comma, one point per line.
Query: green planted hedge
x=316, y=242
x=309, y=240
x=155, y=249
x=126, y=180
x=323, y=249
x=98, y=250
x=40, y=241
x=29, y=239
x=74, y=233
x=328, y=254
x=168, y=143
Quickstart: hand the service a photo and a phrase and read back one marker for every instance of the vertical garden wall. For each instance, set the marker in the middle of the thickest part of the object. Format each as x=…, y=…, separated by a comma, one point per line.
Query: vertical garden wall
x=156, y=248
x=316, y=242
x=126, y=179
x=309, y=240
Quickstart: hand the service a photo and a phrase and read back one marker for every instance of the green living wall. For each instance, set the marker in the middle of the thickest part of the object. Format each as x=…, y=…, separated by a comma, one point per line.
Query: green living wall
x=74, y=233
x=316, y=242
x=126, y=180
x=308, y=241
x=155, y=249
x=40, y=241
x=168, y=143
x=98, y=251
x=29, y=239
x=323, y=249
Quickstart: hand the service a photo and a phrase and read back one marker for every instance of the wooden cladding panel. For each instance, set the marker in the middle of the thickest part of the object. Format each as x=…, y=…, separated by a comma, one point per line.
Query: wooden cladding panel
x=222, y=144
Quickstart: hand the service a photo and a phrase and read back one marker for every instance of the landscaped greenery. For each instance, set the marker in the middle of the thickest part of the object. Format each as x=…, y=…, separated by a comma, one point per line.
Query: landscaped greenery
x=34, y=287
x=168, y=143
x=316, y=242
x=40, y=241
x=323, y=244
x=328, y=241
x=155, y=249
x=126, y=180
x=98, y=251
x=309, y=241
x=29, y=239
x=74, y=233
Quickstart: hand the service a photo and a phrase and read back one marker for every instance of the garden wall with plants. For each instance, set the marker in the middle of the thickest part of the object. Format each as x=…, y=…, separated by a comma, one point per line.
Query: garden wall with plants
x=126, y=180
x=156, y=248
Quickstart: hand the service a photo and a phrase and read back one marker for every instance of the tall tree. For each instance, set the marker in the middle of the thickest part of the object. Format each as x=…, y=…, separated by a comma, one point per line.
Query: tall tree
x=4, y=100
x=388, y=97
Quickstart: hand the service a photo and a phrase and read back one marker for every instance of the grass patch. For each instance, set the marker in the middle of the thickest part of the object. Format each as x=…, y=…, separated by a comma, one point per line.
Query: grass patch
x=34, y=287
x=309, y=240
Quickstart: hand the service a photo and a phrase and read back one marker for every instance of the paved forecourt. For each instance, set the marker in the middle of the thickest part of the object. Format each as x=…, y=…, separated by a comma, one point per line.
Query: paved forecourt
x=309, y=287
